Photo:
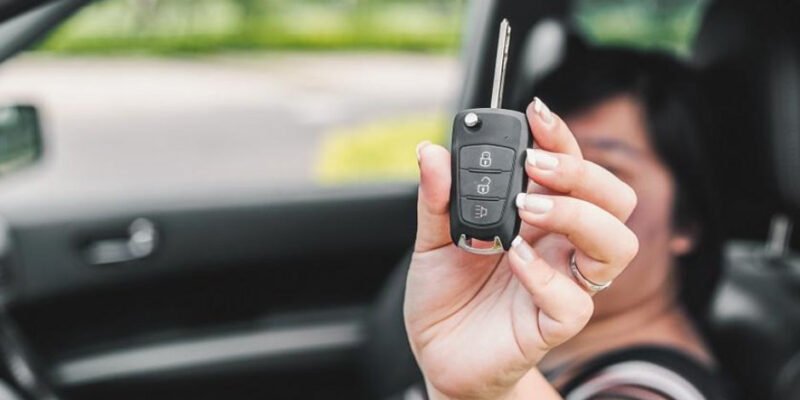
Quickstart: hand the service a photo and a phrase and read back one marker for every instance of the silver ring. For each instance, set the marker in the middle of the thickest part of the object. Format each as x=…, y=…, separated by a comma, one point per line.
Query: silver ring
x=589, y=285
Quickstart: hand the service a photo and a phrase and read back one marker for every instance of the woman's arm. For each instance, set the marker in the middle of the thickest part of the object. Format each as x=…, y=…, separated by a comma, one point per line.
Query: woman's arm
x=479, y=325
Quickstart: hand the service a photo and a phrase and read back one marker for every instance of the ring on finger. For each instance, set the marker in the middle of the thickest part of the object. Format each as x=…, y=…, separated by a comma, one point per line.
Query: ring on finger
x=586, y=283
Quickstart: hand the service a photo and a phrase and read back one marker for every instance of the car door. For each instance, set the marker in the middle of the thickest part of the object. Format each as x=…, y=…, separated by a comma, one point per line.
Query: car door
x=215, y=223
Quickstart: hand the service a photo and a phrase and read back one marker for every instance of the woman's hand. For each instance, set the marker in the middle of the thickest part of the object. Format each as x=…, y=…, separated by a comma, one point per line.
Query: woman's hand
x=479, y=324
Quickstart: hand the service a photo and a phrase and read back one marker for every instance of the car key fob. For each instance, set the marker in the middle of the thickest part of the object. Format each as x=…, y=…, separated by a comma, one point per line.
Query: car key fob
x=488, y=160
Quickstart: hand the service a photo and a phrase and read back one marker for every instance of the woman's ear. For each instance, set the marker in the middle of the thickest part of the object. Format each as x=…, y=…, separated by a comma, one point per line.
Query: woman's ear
x=682, y=242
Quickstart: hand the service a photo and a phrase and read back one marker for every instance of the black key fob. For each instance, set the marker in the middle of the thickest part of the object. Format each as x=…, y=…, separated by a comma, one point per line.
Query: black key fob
x=488, y=161
x=488, y=170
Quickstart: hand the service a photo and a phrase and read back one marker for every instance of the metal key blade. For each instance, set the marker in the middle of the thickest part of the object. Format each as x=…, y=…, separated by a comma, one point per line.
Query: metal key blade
x=500, y=64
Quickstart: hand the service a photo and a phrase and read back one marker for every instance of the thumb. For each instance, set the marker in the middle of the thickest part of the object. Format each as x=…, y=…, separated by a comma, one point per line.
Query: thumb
x=433, y=215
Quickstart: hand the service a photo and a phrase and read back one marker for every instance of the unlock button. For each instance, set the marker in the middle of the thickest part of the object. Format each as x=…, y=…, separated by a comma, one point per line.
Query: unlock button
x=476, y=184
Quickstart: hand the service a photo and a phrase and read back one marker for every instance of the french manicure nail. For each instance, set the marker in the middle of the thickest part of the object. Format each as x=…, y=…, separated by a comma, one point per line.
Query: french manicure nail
x=420, y=146
x=545, y=161
x=529, y=157
x=522, y=249
x=541, y=109
x=534, y=203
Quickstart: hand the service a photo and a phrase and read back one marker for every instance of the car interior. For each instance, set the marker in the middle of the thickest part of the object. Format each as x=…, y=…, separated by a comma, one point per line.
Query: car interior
x=229, y=294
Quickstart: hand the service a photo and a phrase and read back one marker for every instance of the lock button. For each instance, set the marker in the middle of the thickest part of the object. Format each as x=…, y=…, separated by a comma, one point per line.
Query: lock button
x=484, y=184
x=486, y=157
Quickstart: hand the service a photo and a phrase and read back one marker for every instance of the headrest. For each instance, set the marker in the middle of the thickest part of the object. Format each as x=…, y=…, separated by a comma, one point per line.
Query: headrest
x=755, y=47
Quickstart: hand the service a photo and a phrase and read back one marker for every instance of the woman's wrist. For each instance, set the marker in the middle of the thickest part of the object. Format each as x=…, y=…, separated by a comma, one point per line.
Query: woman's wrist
x=511, y=394
x=533, y=385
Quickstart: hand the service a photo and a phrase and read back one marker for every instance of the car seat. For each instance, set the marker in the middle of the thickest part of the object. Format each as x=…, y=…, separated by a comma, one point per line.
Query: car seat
x=749, y=53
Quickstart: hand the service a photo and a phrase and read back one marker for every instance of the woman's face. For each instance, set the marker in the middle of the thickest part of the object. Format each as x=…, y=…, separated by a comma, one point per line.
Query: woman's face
x=614, y=135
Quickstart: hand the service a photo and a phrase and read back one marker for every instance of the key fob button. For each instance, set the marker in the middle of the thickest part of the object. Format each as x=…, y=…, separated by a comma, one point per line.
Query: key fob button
x=486, y=157
x=477, y=184
x=481, y=212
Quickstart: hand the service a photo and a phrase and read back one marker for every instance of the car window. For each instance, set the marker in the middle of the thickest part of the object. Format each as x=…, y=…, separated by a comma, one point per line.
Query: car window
x=668, y=25
x=246, y=92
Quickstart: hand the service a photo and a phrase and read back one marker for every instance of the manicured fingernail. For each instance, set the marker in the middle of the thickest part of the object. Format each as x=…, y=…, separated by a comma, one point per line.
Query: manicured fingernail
x=534, y=203
x=530, y=158
x=420, y=146
x=542, y=111
x=545, y=161
x=522, y=249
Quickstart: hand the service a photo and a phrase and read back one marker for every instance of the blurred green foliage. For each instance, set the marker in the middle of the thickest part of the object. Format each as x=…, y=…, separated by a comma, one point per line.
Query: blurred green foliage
x=201, y=26
x=378, y=150
x=646, y=24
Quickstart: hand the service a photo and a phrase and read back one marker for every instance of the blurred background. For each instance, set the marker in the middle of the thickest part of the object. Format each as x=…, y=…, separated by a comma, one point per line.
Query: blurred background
x=266, y=92
x=160, y=247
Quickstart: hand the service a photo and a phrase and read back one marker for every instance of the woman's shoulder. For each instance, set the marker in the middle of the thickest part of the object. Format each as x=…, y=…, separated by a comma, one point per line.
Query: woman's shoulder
x=645, y=372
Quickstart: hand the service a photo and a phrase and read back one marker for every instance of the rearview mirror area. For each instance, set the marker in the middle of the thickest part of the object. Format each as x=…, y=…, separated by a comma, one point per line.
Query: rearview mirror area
x=20, y=137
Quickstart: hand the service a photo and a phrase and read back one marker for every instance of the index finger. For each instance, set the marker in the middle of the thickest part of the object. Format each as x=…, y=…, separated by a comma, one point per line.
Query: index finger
x=549, y=130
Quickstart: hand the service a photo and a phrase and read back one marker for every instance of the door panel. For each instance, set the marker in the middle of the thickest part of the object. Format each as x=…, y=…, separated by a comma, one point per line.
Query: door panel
x=242, y=285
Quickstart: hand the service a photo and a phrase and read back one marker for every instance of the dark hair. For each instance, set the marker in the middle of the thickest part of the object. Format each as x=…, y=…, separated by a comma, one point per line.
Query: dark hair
x=666, y=89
